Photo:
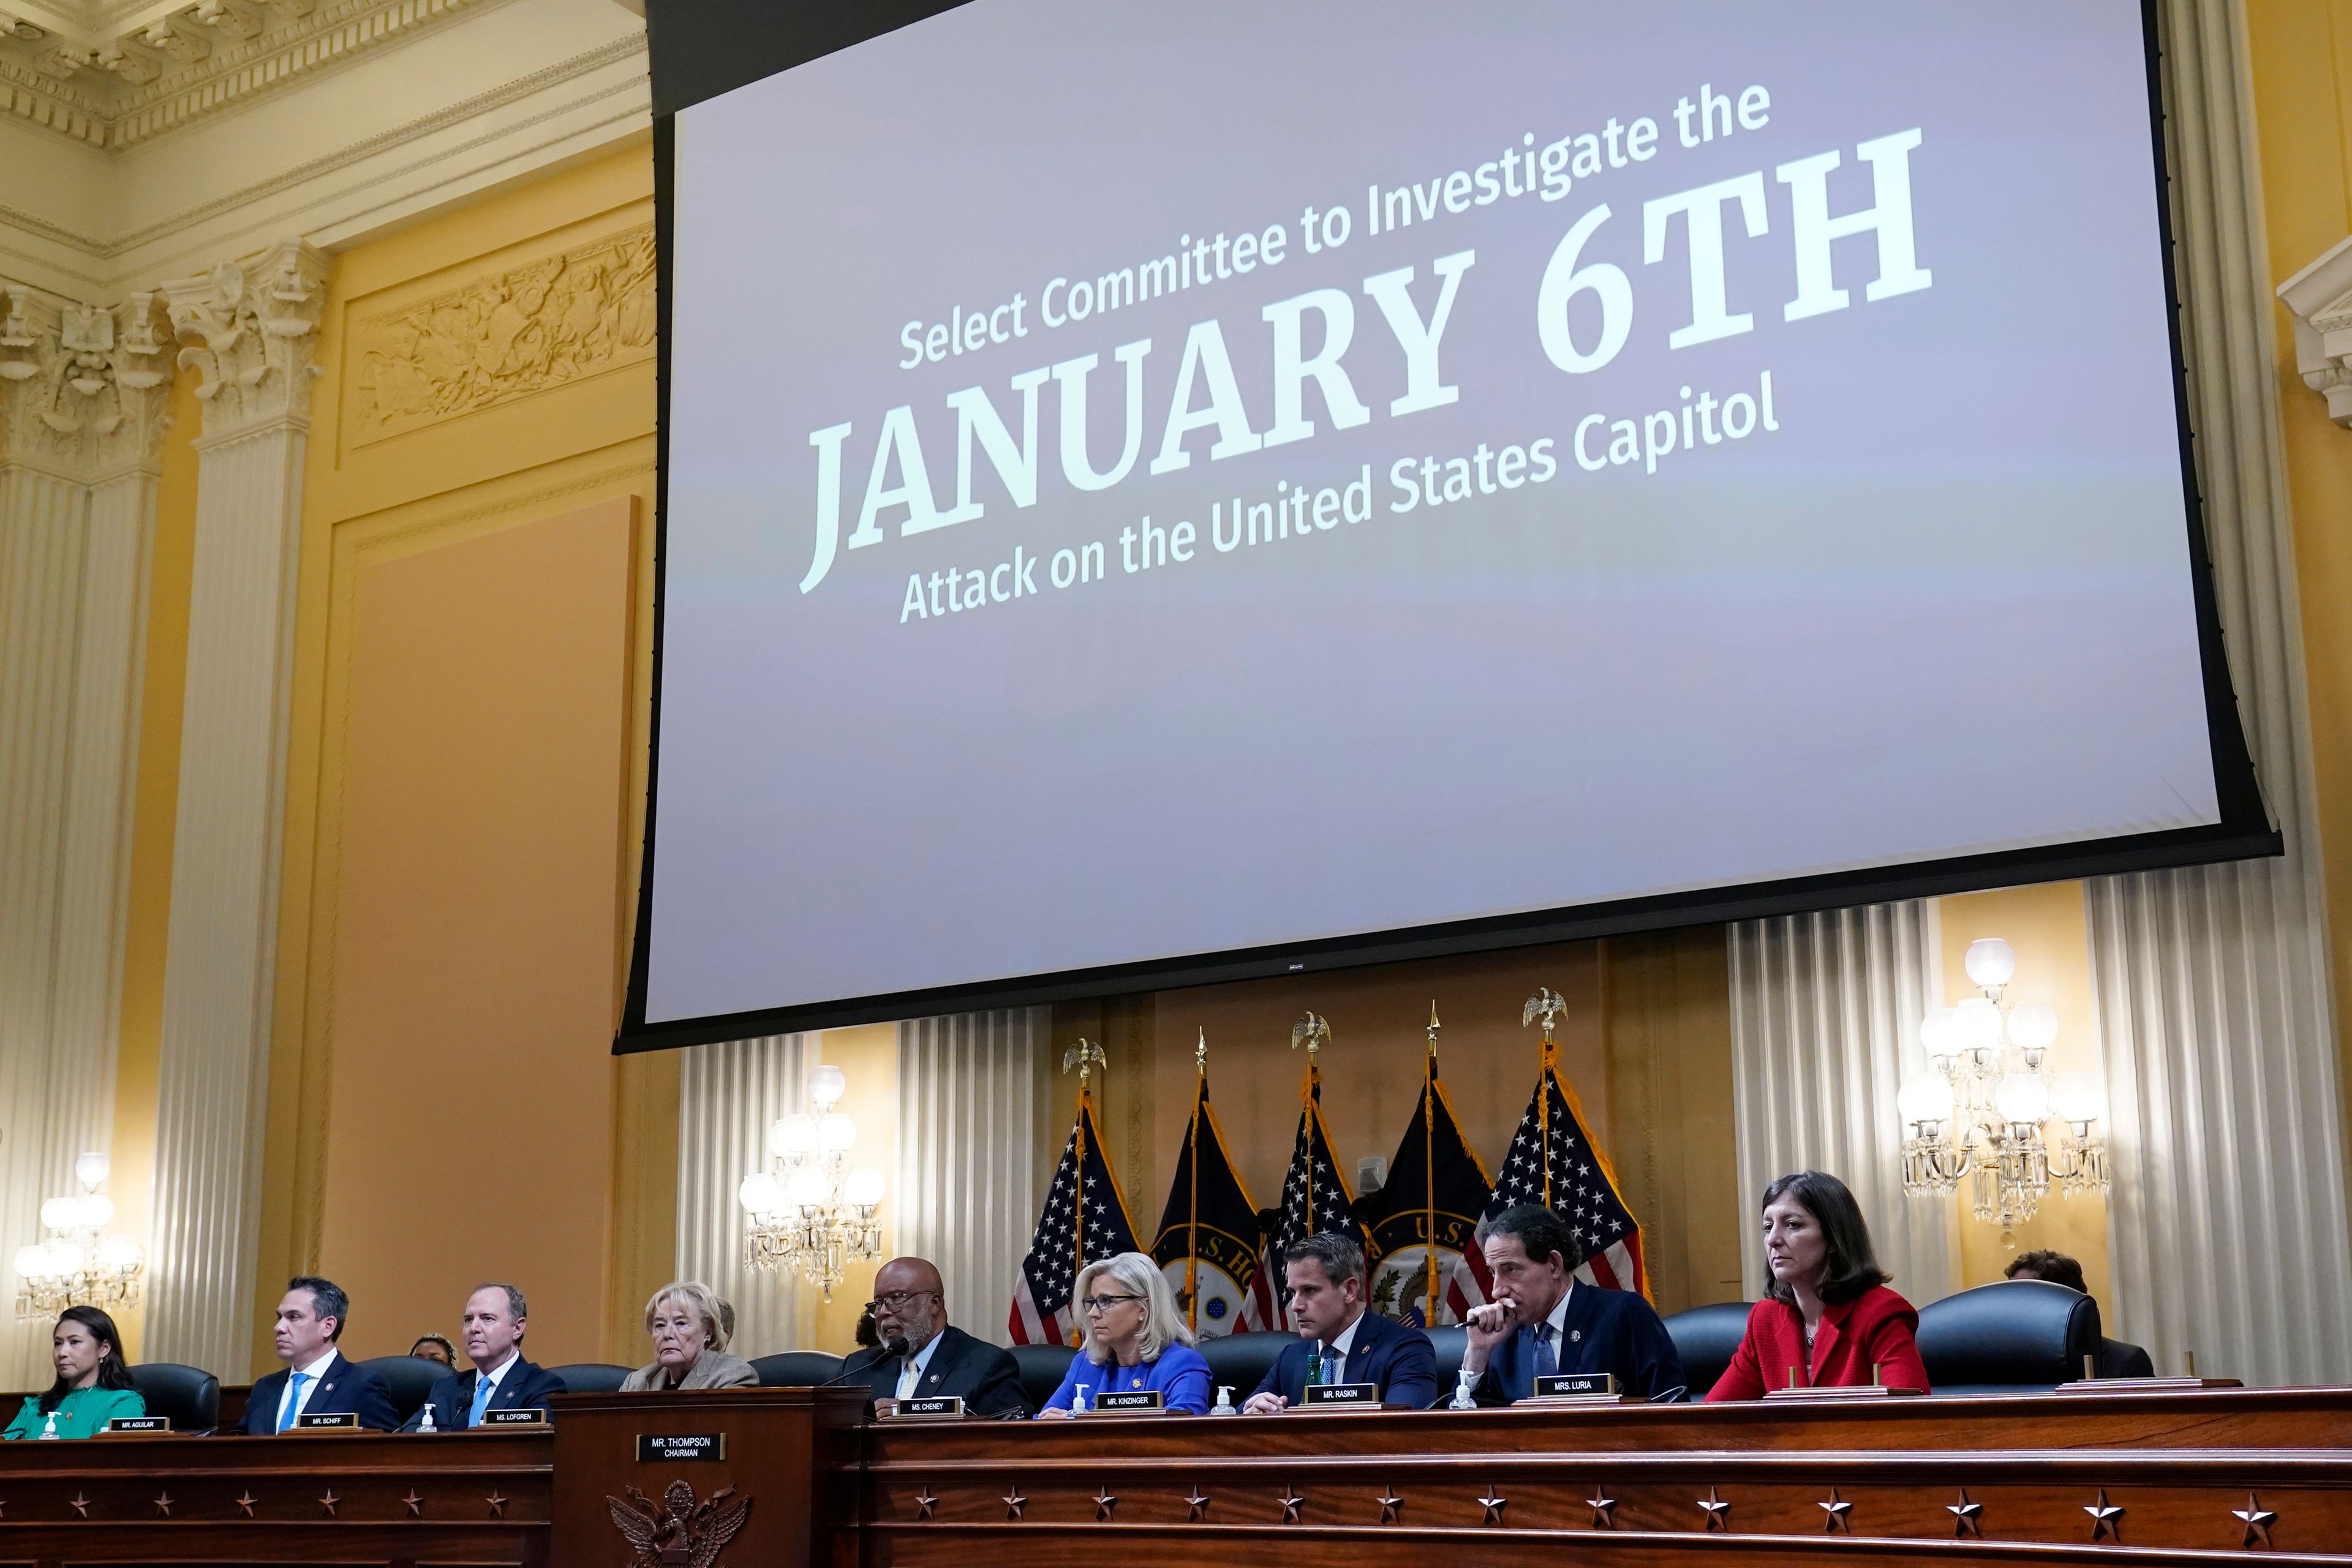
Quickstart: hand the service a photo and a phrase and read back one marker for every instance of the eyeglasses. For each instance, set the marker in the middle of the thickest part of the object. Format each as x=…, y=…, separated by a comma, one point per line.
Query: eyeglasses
x=1104, y=1303
x=898, y=1300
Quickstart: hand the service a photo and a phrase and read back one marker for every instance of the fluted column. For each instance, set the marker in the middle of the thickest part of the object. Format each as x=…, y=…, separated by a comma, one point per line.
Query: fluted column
x=246, y=329
x=728, y=1095
x=81, y=423
x=966, y=1190
x=2228, y=1230
x=1824, y=1009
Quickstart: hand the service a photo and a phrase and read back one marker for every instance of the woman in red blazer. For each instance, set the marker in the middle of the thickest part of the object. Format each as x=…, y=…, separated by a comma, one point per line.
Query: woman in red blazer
x=1827, y=1319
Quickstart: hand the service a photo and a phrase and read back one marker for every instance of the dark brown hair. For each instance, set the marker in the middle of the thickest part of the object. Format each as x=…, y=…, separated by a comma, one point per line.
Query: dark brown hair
x=112, y=1372
x=1848, y=1265
x=2043, y=1264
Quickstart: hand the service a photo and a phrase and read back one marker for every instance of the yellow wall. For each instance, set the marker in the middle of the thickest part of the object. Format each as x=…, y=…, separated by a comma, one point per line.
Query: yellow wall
x=2302, y=101
x=465, y=781
x=2045, y=928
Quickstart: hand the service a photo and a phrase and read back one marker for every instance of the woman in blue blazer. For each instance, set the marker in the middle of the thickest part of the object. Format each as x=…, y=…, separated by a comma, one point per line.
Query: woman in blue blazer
x=1136, y=1339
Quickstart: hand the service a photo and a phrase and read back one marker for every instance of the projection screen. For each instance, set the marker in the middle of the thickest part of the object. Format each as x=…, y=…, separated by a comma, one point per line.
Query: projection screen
x=1157, y=493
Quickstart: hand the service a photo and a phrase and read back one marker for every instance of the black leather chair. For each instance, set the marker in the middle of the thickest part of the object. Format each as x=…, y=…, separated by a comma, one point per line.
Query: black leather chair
x=796, y=1369
x=1042, y=1367
x=2020, y=1336
x=409, y=1379
x=188, y=1394
x=1240, y=1362
x=1451, y=1342
x=592, y=1377
x=1707, y=1338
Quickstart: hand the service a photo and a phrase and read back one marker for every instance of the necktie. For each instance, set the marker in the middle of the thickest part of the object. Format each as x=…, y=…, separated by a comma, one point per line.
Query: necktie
x=908, y=1374
x=293, y=1400
x=483, y=1388
x=1335, y=1363
x=1546, y=1360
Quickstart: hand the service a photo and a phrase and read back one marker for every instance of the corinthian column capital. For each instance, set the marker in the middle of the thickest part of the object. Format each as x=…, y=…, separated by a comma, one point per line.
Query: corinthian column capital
x=247, y=328
x=82, y=387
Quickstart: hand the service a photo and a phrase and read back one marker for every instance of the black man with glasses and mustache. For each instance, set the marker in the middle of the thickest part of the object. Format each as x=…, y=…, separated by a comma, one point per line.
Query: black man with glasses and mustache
x=923, y=1356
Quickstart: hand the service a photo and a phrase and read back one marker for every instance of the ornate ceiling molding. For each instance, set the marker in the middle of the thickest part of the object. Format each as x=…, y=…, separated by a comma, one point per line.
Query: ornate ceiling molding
x=115, y=89
x=2320, y=298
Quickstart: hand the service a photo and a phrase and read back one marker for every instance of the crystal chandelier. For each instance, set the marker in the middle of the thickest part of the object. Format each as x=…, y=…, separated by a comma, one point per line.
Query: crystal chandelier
x=1984, y=1112
x=79, y=1264
x=812, y=1215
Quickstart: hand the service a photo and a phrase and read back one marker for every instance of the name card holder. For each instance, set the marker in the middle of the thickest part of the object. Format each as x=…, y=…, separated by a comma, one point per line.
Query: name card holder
x=676, y=1448
x=935, y=1407
x=138, y=1426
x=1129, y=1402
x=2091, y=1383
x=491, y=1419
x=328, y=1421
x=1334, y=1397
x=1574, y=1388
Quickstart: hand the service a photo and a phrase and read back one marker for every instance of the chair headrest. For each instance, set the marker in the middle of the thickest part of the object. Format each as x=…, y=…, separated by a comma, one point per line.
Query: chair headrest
x=795, y=1369
x=592, y=1377
x=2019, y=1332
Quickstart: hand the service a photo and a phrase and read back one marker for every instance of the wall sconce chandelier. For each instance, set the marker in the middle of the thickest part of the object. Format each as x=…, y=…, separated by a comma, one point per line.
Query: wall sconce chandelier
x=812, y=1215
x=79, y=1264
x=1988, y=1113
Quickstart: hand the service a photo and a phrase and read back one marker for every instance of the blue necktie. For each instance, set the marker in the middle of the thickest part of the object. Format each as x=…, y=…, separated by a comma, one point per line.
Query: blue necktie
x=293, y=1399
x=1335, y=1361
x=1546, y=1360
x=482, y=1389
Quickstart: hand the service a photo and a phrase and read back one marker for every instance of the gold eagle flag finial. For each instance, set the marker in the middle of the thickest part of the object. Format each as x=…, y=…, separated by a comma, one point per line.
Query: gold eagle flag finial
x=1311, y=1032
x=1547, y=1004
x=1085, y=1056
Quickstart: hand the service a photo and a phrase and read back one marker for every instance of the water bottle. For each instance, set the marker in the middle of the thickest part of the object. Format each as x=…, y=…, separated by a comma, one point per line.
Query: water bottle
x=1314, y=1365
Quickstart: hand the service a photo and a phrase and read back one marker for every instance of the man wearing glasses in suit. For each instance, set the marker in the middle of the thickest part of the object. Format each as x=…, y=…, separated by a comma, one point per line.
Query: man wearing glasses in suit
x=923, y=1356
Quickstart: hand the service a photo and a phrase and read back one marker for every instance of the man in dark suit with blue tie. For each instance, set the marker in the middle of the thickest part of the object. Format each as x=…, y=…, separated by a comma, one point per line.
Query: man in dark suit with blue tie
x=492, y=1328
x=317, y=1380
x=1542, y=1319
x=1324, y=1279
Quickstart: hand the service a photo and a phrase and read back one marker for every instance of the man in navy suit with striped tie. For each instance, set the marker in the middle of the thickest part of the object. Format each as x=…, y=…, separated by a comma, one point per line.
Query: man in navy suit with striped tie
x=1543, y=1319
x=318, y=1379
x=1324, y=1277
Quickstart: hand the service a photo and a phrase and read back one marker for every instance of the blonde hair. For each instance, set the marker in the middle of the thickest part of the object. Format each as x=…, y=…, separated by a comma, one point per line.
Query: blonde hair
x=699, y=1296
x=1163, y=1325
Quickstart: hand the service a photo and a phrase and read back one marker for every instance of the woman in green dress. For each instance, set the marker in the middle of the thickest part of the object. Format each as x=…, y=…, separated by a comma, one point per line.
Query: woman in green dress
x=93, y=1386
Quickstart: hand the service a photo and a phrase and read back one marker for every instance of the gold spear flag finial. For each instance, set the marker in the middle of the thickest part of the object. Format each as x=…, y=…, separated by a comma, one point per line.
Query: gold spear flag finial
x=1311, y=1032
x=1547, y=1005
x=1201, y=1054
x=1085, y=1056
x=1433, y=1023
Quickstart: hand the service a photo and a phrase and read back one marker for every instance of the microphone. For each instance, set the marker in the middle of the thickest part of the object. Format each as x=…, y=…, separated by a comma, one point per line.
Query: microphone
x=896, y=1346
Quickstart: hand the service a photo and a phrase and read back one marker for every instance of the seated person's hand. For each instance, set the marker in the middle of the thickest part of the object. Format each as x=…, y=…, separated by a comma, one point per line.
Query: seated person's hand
x=1056, y=1415
x=1265, y=1404
x=888, y=1406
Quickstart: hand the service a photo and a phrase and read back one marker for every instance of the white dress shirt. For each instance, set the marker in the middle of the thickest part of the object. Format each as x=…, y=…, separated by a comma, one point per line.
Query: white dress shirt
x=1334, y=1350
x=311, y=1375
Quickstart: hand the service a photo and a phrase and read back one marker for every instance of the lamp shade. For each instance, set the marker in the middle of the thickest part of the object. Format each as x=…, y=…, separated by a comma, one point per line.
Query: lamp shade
x=65, y=1258
x=91, y=1168
x=2077, y=1097
x=826, y=1085
x=793, y=1136
x=2032, y=1026
x=2021, y=1096
x=761, y=1193
x=807, y=1188
x=30, y=1261
x=835, y=1133
x=1939, y=1033
x=95, y=1211
x=120, y=1254
x=864, y=1187
x=1925, y=1099
x=60, y=1214
x=1990, y=961
x=1978, y=1025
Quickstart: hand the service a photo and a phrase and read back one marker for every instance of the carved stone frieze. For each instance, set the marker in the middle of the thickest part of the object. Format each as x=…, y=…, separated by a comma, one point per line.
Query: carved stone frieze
x=83, y=387
x=504, y=337
x=247, y=329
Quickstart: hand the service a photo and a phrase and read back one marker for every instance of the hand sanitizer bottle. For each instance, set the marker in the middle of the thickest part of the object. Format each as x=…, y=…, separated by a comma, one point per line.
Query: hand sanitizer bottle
x=1225, y=1404
x=49, y=1427
x=426, y=1425
x=1463, y=1383
x=1078, y=1400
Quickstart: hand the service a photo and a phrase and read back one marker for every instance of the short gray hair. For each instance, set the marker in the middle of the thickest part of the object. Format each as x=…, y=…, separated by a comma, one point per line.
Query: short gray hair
x=1163, y=1325
x=1341, y=1257
x=702, y=1299
x=515, y=1307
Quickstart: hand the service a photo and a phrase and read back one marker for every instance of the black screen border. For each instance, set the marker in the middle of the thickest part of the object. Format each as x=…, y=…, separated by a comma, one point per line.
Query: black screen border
x=701, y=49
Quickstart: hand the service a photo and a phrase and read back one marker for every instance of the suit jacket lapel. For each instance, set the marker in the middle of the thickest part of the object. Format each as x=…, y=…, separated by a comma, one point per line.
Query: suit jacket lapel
x=1825, y=1338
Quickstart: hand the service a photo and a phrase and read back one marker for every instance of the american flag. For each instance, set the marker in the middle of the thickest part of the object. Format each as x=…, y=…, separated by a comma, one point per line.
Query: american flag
x=1554, y=1162
x=1314, y=1195
x=1084, y=1213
